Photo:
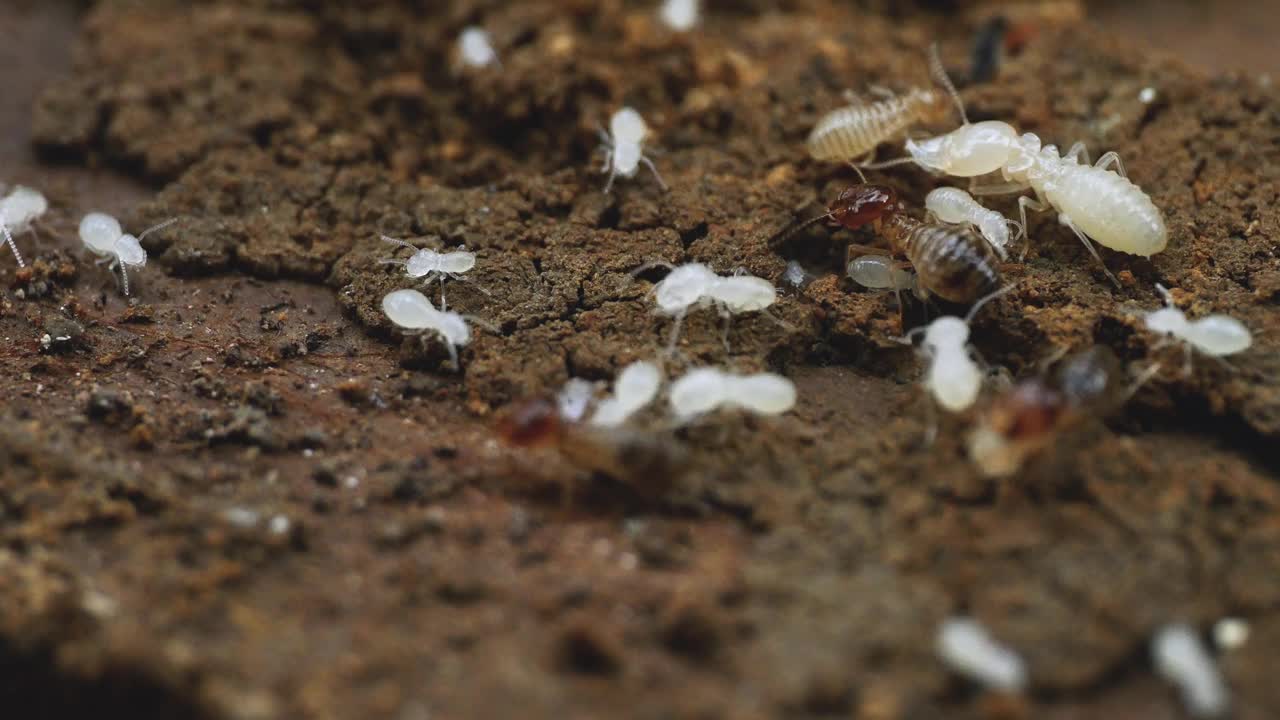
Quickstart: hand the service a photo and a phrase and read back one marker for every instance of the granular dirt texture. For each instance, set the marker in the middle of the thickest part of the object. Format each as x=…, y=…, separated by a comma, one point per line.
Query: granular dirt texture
x=240, y=493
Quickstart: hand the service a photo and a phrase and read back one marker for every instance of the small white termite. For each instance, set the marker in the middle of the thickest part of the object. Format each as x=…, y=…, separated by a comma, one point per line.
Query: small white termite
x=103, y=236
x=19, y=211
x=966, y=647
x=1182, y=659
x=1092, y=200
x=957, y=207
x=624, y=147
x=412, y=312
x=851, y=134
x=475, y=47
x=636, y=386
x=954, y=377
x=695, y=285
x=881, y=272
x=1214, y=335
x=680, y=15
x=574, y=398
x=705, y=390
x=429, y=264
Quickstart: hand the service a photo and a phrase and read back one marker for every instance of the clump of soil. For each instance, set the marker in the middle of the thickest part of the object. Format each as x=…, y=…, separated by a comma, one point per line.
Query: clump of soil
x=244, y=492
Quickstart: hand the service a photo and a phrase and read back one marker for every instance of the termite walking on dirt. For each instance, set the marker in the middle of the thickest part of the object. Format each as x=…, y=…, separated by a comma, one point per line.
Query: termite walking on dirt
x=951, y=261
x=852, y=133
x=1092, y=200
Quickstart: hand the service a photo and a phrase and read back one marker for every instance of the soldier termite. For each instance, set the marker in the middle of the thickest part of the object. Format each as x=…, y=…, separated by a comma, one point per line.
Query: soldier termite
x=950, y=261
x=1025, y=419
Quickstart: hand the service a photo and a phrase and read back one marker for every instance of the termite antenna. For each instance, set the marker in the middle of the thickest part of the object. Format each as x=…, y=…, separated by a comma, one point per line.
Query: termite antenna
x=651, y=265
x=983, y=301
x=858, y=170
x=8, y=238
x=1164, y=293
x=397, y=241
x=154, y=228
x=1143, y=378
x=939, y=74
x=789, y=232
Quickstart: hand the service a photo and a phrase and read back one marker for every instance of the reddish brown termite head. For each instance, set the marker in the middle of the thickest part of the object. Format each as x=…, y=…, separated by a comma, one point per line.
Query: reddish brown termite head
x=531, y=423
x=859, y=205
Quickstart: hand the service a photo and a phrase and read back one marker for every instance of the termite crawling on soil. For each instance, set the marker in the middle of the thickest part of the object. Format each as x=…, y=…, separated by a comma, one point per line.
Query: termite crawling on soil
x=412, y=312
x=695, y=285
x=950, y=261
x=705, y=390
x=624, y=147
x=19, y=211
x=428, y=264
x=1025, y=419
x=852, y=134
x=1216, y=336
x=103, y=236
x=954, y=377
x=1092, y=200
x=956, y=207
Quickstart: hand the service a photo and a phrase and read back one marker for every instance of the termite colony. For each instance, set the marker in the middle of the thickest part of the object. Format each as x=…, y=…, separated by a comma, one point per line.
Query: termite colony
x=948, y=246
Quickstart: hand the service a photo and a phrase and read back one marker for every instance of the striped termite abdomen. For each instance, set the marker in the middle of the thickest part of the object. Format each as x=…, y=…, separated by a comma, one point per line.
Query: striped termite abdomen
x=855, y=131
x=950, y=261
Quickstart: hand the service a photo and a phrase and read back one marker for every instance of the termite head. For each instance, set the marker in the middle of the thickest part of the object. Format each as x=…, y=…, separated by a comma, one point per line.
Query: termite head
x=1019, y=423
x=968, y=151
x=858, y=205
x=1091, y=378
x=946, y=332
x=531, y=423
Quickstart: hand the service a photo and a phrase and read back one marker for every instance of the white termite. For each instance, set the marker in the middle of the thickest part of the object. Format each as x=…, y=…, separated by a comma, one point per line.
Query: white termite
x=680, y=15
x=412, y=312
x=636, y=386
x=103, y=236
x=954, y=377
x=427, y=264
x=475, y=47
x=624, y=147
x=695, y=285
x=967, y=648
x=957, y=207
x=1182, y=659
x=881, y=272
x=574, y=398
x=1215, y=335
x=19, y=211
x=1092, y=200
x=1231, y=633
x=706, y=390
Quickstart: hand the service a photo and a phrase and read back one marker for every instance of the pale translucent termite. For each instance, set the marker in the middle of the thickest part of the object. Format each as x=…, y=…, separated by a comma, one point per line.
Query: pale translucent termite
x=966, y=647
x=412, y=312
x=19, y=211
x=102, y=235
x=635, y=387
x=1216, y=335
x=695, y=285
x=852, y=134
x=428, y=264
x=881, y=272
x=706, y=390
x=624, y=147
x=954, y=377
x=475, y=47
x=1092, y=200
x=957, y=207
x=1181, y=658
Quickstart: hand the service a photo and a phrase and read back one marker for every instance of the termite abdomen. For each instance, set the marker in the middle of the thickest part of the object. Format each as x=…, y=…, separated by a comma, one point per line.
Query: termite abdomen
x=952, y=262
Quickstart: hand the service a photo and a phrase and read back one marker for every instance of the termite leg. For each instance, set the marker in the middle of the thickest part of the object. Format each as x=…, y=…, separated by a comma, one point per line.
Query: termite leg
x=882, y=92
x=1088, y=245
x=1078, y=153
x=1112, y=158
x=1025, y=202
x=656, y=175
x=613, y=172
x=12, y=245
x=124, y=276
x=675, y=333
x=724, y=334
x=1186, y=360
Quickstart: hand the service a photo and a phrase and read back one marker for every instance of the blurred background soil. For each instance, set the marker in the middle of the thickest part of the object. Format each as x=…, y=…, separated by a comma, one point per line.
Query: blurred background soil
x=240, y=494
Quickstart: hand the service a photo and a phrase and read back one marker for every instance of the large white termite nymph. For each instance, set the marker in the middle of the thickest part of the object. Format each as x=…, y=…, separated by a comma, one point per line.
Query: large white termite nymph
x=954, y=377
x=1216, y=336
x=957, y=207
x=412, y=312
x=19, y=211
x=1092, y=200
x=624, y=147
x=695, y=285
x=103, y=236
x=706, y=390
x=427, y=264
